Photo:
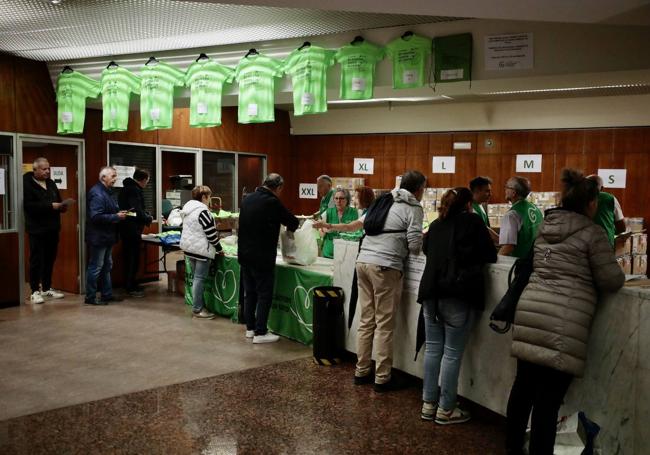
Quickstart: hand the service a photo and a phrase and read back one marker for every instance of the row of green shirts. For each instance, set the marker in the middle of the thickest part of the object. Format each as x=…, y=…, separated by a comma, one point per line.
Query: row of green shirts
x=255, y=74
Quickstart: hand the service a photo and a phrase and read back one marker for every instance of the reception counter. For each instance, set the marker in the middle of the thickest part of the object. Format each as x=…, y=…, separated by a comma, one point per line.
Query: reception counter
x=614, y=392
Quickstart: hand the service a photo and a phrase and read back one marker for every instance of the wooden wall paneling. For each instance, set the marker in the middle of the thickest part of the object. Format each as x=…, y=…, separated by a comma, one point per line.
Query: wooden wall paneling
x=632, y=152
x=7, y=94
x=570, y=152
x=465, y=159
x=134, y=133
x=361, y=146
x=417, y=154
x=33, y=87
x=599, y=149
x=440, y=144
x=95, y=146
x=181, y=134
x=393, y=162
x=9, y=270
x=544, y=143
x=488, y=162
x=222, y=137
x=308, y=162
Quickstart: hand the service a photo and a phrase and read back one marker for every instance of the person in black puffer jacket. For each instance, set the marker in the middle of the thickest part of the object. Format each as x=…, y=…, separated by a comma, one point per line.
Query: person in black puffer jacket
x=131, y=199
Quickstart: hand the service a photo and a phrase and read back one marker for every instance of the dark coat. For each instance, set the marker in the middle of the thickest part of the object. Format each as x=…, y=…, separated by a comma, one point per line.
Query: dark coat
x=131, y=198
x=101, y=216
x=472, y=247
x=40, y=217
x=260, y=218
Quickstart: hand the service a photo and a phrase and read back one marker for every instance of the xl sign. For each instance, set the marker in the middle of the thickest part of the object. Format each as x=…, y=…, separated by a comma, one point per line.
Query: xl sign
x=307, y=191
x=364, y=166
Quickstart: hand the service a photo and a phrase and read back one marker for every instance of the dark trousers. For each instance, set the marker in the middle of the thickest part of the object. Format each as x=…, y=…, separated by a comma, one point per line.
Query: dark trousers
x=258, y=286
x=131, y=246
x=540, y=389
x=42, y=254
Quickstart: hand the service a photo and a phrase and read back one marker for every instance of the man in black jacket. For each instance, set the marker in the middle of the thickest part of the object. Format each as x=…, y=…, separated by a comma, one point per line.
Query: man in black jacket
x=260, y=218
x=131, y=199
x=43, y=208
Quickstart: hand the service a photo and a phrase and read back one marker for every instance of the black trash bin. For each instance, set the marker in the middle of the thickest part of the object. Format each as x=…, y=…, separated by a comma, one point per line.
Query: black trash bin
x=328, y=324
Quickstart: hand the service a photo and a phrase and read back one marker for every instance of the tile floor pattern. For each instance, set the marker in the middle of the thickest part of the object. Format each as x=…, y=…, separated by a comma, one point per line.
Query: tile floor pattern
x=285, y=408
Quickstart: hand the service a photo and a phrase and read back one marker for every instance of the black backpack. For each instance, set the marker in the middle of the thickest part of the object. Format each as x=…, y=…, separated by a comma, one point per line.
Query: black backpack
x=517, y=281
x=376, y=215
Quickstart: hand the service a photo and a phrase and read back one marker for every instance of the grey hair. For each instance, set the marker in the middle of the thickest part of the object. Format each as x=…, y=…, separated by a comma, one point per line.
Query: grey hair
x=38, y=161
x=324, y=177
x=521, y=185
x=345, y=192
x=103, y=172
x=273, y=181
x=598, y=179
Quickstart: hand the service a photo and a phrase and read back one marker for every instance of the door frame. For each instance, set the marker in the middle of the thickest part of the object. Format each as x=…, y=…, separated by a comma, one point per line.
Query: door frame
x=81, y=191
x=14, y=188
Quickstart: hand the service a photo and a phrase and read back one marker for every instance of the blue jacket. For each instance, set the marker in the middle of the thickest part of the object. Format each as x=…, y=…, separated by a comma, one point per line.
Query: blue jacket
x=101, y=216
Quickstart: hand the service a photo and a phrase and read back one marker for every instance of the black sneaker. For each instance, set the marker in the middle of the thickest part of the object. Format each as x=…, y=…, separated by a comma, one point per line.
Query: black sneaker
x=393, y=384
x=138, y=294
x=94, y=302
x=113, y=298
x=362, y=380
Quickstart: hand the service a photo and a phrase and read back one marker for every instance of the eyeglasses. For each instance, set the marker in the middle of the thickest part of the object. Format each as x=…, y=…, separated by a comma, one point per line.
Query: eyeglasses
x=340, y=198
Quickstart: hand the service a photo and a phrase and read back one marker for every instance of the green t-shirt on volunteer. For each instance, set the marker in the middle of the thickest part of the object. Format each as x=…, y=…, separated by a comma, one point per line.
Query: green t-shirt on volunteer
x=157, y=95
x=256, y=77
x=72, y=89
x=117, y=84
x=358, y=63
x=308, y=70
x=409, y=56
x=478, y=209
x=349, y=215
x=205, y=79
x=605, y=215
x=531, y=218
x=326, y=202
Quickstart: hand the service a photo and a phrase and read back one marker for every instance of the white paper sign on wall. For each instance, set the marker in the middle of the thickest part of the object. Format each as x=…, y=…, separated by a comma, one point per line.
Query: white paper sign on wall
x=60, y=177
x=509, y=52
x=3, y=184
x=613, y=178
x=364, y=166
x=444, y=165
x=122, y=173
x=307, y=191
x=529, y=163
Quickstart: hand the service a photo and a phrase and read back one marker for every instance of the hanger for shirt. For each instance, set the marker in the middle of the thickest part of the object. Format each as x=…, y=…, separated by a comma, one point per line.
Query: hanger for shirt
x=251, y=52
x=202, y=57
x=407, y=34
x=304, y=45
x=112, y=64
x=67, y=69
x=357, y=39
x=152, y=61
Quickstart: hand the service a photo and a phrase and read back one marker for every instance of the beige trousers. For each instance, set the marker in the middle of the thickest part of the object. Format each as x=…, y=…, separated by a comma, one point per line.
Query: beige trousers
x=380, y=290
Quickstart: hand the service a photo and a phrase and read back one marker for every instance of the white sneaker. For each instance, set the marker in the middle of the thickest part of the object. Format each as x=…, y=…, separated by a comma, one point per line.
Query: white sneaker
x=250, y=333
x=36, y=297
x=53, y=294
x=428, y=410
x=456, y=415
x=203, y=314
x=267, y=338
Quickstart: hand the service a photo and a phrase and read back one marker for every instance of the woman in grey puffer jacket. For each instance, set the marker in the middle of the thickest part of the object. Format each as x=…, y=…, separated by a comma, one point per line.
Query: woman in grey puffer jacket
x=573, y=260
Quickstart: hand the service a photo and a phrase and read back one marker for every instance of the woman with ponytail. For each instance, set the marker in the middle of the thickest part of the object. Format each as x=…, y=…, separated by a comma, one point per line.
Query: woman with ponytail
x=572, y=262
x=457, y=237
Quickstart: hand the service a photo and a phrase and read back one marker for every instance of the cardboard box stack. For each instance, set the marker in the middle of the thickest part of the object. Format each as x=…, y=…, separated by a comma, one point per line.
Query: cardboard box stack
x=634, y=224
x=431, y=202
x=545, y=200
x=631, y=254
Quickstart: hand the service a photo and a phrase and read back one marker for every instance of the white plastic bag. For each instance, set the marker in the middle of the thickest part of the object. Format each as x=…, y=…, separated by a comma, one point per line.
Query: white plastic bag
x=303, y=248
x=175, y=218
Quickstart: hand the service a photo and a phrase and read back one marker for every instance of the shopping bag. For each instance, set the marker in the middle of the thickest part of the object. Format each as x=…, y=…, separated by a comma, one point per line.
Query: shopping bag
x=306, y=245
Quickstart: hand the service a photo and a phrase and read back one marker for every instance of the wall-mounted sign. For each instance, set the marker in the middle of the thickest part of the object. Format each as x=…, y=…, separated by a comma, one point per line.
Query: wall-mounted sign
x=307, y=191
x=509, y=52
x=364, y=166
x=444, y=164
x=529, y=163
x=122, y=173
x=462, y=146
x=613, y=178
x=60, y=177
x=3, y=189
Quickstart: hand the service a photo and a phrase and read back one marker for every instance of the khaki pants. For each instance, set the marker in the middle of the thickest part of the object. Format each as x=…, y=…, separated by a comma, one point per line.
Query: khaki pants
x=380, y=290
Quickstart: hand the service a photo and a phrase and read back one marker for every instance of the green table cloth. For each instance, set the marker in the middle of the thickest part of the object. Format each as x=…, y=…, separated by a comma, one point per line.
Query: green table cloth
x=292, y=307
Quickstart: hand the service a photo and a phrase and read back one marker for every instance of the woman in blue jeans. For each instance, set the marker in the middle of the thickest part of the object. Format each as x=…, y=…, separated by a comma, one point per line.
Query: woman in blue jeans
x=458, y=237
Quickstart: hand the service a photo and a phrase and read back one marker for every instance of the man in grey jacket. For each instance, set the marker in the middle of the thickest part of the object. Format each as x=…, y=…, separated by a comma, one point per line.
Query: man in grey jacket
x=380, y=268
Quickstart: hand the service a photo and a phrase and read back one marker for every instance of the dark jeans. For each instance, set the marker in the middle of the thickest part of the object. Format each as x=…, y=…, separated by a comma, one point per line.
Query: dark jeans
x=131, y=246
x=100, y=263
x=540, y=389
x=258, y=285
x=42, y=254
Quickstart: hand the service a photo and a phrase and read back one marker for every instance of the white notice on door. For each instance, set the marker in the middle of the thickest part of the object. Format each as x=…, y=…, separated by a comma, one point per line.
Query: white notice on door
x=66, y=117
x=252, y=110
x=122, y=173
x=60, y=177
x=358, y=84
x=413, y=273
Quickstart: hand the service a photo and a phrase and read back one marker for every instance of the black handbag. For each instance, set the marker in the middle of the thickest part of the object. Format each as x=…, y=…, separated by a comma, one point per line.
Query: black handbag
x=517, y=280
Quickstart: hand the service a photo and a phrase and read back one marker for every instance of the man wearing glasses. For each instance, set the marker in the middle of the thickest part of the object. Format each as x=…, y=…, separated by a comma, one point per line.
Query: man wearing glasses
x=519, y=224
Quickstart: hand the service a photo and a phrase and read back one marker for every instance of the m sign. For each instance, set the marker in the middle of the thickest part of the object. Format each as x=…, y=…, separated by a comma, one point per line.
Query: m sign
x=529, y=163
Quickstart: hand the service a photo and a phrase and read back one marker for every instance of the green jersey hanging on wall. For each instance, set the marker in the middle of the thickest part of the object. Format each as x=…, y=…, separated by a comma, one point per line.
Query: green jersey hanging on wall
x=256, y=75
x=358, y=61
x=308, y=69
x=72, y=89
x=409, y=55
x=157, y=95
x=205, y=78
x=117, y=84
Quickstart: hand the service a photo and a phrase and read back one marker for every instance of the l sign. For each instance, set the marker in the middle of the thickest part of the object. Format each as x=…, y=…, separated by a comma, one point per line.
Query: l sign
x=444, y=164
x=364, y=166
x=529, y=163
x=613, y=178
